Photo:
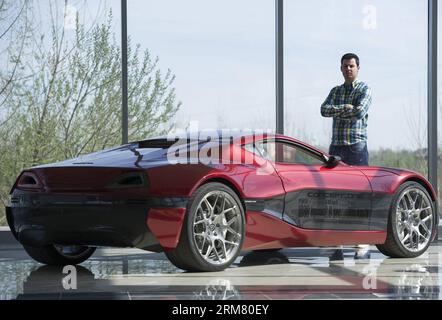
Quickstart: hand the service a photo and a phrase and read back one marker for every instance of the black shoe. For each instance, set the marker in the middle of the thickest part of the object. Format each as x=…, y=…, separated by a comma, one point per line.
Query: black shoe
x=338, y=255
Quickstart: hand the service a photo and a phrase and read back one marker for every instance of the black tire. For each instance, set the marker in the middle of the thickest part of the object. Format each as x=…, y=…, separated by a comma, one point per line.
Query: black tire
x=187, y=255
x=393, y=247
x=50, y=255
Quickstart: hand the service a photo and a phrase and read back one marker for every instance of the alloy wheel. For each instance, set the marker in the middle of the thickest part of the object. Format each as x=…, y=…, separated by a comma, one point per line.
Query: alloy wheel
x=414, y=219
x=217, y=227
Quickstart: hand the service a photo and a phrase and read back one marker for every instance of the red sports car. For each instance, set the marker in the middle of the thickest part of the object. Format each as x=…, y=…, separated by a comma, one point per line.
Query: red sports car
x=203, y=198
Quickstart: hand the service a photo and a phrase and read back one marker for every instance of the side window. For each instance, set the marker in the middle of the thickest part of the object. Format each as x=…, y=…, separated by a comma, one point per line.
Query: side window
x=303, y=157
x=286, y=153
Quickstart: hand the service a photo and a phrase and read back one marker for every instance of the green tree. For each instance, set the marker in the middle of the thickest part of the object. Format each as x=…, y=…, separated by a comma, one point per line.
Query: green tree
x=14, y=39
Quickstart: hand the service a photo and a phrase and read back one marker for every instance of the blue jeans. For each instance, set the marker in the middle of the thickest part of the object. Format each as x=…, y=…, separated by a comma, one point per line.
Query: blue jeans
x=354, y=154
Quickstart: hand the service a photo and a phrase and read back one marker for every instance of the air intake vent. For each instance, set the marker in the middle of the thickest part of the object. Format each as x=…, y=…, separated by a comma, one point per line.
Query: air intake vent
x=129, y=180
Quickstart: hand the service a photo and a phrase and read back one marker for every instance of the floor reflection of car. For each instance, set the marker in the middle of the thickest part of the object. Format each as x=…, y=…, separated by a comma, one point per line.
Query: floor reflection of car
x=259, y=192
x=383, y=278
x=263, y=257
x=219, y=289
x=47, y=282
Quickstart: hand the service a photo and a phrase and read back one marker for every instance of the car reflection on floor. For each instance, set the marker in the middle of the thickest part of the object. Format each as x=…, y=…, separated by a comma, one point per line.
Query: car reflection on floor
x=302, y=273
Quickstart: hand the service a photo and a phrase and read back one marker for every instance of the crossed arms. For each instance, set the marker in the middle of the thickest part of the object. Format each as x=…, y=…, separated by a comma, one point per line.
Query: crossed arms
x=347, y=111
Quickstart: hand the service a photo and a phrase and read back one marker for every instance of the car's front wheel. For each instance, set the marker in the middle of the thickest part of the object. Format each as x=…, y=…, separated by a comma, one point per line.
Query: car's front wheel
x=60, y=255
x=213, y=231
x=410, y=224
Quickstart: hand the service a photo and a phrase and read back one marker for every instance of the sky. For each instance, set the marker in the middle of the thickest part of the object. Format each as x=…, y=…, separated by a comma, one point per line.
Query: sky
x=223, y=56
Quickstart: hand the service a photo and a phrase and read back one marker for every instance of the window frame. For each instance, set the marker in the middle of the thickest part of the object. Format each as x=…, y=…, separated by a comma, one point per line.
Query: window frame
x=315, y=154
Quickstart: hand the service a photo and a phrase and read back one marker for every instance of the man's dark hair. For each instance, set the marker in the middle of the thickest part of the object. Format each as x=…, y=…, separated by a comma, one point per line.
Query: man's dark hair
x=349, y=56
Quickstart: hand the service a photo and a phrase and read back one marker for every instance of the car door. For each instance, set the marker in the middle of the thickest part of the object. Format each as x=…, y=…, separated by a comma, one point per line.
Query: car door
x=317, y=196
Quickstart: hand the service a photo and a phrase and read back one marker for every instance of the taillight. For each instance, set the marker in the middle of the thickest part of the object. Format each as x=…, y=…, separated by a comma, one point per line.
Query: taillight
x=28, y=180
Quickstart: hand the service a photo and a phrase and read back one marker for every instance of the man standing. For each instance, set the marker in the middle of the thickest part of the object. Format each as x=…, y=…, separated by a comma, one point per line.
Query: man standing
x=348, y=105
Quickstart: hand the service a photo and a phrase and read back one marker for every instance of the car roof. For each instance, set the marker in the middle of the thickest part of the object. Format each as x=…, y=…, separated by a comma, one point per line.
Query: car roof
x=239, y=137
x=203, y=135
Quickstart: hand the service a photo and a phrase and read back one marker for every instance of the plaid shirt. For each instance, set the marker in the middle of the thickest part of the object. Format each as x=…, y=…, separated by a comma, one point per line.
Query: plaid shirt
x=349, y=126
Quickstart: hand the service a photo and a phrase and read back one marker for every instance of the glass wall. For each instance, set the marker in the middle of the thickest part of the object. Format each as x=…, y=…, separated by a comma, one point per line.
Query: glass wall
x=204, y=65
x=439, y=104
x=60, y=74
x=221, y=55
x=390, y=39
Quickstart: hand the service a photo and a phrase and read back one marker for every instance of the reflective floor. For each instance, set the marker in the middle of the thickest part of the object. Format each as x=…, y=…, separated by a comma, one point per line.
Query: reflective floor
x=302, y=273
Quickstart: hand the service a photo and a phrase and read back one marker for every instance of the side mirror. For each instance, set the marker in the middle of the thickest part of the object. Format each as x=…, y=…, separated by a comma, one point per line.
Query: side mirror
x=332, y=161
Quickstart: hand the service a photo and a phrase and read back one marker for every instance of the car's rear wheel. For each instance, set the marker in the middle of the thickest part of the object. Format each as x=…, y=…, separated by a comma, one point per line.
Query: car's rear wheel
x=213, y=231
x=410, y=225
x=60, y=255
